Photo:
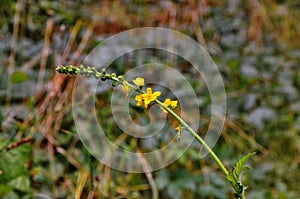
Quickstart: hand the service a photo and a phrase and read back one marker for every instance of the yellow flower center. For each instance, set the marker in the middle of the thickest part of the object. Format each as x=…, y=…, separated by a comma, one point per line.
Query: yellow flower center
x=146, y=97
x=149, y=96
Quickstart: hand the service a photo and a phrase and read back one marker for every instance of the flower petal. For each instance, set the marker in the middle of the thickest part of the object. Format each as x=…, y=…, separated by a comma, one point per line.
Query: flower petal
x=167, y=102
x=156, y=94
x=149, y=91
x=139, y=100
x=174, y=103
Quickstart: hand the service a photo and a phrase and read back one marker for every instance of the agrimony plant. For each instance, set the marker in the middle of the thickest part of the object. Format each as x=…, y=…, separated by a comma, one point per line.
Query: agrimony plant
x=145, y=98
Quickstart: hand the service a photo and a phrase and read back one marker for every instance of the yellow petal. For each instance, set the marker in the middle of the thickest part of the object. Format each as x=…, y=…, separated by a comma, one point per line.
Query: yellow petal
x=149, y=91
x=167, y=102
x=139, y=100
x=156, y=94
x=146, y=103
x=174, y=103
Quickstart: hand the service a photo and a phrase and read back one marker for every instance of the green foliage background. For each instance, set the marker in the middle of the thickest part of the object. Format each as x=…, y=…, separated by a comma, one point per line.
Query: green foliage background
x=256, y=47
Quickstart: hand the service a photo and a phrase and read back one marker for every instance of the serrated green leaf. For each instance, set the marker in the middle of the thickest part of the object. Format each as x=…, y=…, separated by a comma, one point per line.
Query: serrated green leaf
x=239, y=167
x=234, y=177
x=230, y=177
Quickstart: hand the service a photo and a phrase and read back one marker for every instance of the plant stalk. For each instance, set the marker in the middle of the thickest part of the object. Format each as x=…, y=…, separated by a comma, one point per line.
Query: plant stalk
x=89, y=71
x=189, y=129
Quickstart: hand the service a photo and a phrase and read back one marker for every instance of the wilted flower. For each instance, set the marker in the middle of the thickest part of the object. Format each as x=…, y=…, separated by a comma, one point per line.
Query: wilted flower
x=139, y=81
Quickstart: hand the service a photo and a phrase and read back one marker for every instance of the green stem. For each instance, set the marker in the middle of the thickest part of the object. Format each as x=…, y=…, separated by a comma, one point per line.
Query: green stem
x=189, y=129
x=120, y=80
x=243, y=195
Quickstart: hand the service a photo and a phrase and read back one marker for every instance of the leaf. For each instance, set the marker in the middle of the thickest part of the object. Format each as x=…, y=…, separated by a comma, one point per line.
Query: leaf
x=234, y=182
x=234, y=177
x=4, y=189
x=18, y=77
x=239, y=167
x=11, y=195
x=20, y=183
x=230, y=177
x=13, y=167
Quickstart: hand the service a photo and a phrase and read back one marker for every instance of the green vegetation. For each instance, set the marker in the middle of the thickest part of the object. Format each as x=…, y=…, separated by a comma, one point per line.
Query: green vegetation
x=255, y=45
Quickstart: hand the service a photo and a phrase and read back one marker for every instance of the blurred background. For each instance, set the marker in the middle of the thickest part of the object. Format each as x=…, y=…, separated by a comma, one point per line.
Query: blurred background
x=254, y=43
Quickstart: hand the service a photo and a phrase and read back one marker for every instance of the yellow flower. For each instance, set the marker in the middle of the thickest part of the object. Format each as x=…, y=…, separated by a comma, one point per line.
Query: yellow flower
x=139, y=81
x=174, y=103
x=146, y=98
x=168, y=102
x=139, y=100
x=149, y=96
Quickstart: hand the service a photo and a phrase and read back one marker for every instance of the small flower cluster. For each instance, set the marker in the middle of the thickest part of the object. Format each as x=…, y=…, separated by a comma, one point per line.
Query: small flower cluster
x=145, y=98
x=88, y=72
x=148, y=97
x=172, y=103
